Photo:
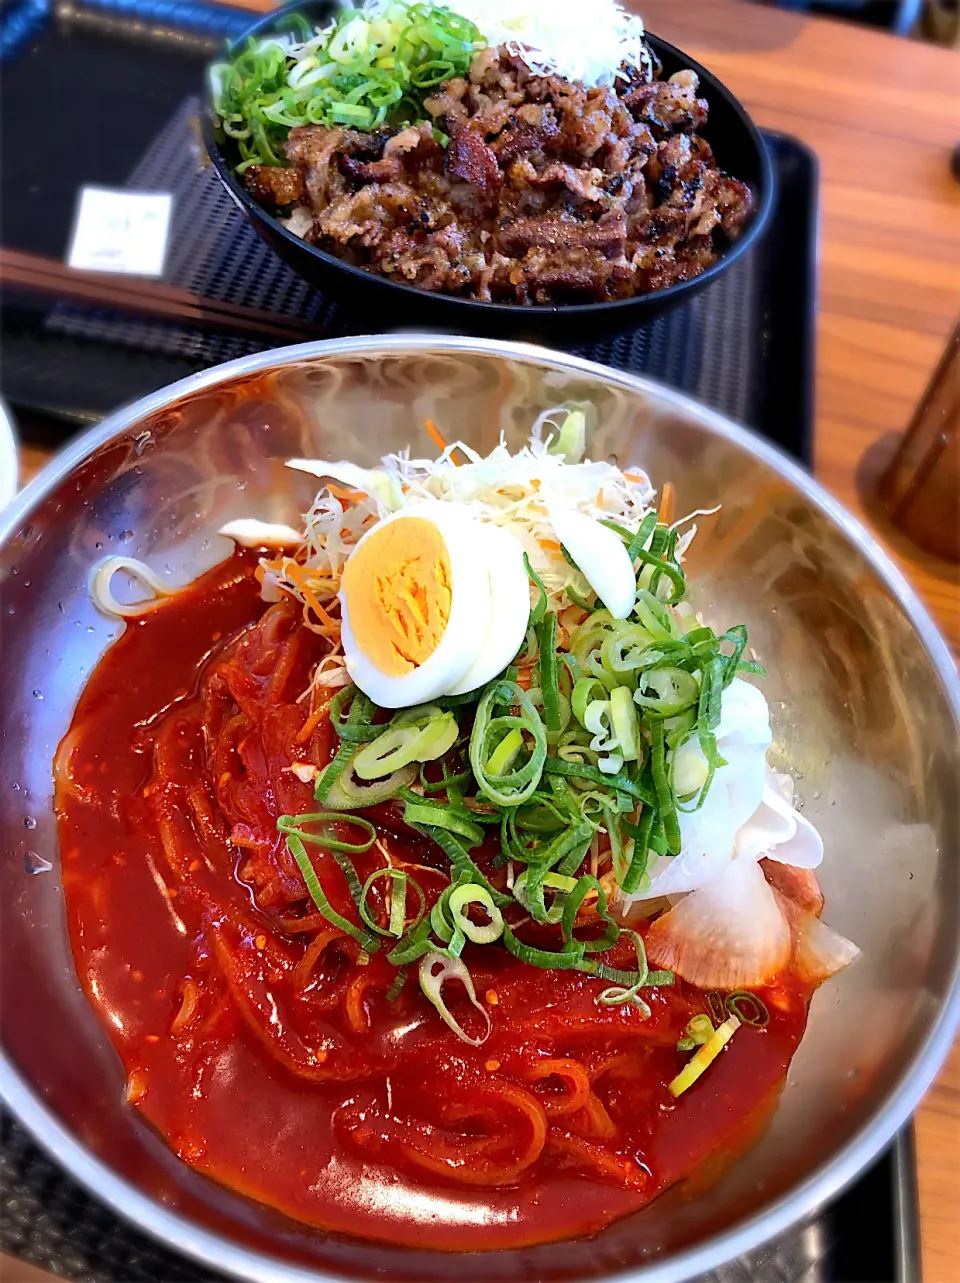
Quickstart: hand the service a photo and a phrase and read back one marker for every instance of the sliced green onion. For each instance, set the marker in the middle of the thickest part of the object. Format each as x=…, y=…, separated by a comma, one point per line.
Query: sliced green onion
x=565, y=959
x=700, y=1029
x=514, y=787
x=299, y=852
x=665, y=797
x=717, y=1007
x=538, y=611
x=641, y=835
x=422, y=740
x=331, y=772
x=399, y=980
x=585, y=691
x=450, y=779
x=704, y=1057
x=387, y=753
x=747, y=1008
x=549, y=683
x=413, y=945
x=737, y=637
x=398, y=902
x=640, y=540
x=502, y=757
x=344, y=792
x=358, y=725
x=466, y=894
x=550, y=881
x=667, y=569
x=674, y=691
x=432, y=981
x=625, y=724
x=460, y=860
x=294, y=824
x=357, y=74
x=440, y=815
x=618, y=994
x=571, y=908
x=689, y=770
x=621, y=782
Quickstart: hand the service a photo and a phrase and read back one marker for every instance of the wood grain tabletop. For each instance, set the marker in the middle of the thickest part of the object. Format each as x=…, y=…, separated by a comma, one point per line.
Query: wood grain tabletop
x=883, y=116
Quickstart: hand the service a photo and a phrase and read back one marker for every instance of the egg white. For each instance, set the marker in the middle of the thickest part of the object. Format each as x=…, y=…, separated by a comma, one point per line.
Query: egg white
x=510, y=608
x=468, y=625
x=602, y=556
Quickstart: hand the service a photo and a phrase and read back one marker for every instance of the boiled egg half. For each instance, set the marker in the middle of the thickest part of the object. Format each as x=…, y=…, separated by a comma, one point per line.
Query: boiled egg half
x=434, y=602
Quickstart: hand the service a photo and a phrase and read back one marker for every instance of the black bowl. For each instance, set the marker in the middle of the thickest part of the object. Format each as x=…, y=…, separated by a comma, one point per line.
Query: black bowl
x=379, y=302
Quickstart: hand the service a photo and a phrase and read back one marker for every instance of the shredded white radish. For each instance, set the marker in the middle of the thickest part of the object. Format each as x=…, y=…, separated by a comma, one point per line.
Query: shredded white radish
x=515, y=491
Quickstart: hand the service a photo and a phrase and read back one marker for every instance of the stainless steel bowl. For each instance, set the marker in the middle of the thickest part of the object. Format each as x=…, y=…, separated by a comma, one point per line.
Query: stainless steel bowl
x=866, y=705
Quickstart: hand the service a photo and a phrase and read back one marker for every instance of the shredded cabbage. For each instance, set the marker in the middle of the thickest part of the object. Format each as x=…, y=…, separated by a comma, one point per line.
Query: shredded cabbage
x=514, y=491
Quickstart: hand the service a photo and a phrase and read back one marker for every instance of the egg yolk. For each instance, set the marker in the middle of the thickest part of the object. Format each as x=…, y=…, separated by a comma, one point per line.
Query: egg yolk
x=398, y=590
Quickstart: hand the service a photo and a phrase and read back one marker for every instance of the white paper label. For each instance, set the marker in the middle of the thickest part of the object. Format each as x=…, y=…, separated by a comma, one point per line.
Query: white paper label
x=121, y=231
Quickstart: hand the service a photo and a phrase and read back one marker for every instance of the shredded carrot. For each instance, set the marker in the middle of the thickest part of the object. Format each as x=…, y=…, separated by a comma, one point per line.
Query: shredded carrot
x=310, y=725
x=549, y=545
x=635, y=477
x=434, y=435
x=665, y=515
x=298, y=575
x=346, y=496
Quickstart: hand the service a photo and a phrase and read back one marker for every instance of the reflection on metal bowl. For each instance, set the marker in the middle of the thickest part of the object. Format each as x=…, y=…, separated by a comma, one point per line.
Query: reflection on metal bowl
x=866, y=707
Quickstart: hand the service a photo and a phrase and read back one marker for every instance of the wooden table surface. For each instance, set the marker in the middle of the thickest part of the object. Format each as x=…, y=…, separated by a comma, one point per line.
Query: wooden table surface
x=883, y=116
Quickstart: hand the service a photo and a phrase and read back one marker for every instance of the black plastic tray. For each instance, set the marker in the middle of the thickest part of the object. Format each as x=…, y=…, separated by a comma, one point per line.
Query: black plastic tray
x=745, y=346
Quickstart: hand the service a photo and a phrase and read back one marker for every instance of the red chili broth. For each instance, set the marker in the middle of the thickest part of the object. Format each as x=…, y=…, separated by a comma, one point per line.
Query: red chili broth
x=335, y=1153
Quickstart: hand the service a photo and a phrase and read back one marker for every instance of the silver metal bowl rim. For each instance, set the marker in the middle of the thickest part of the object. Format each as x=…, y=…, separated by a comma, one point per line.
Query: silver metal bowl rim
x=8, y=456
x=804, y=1199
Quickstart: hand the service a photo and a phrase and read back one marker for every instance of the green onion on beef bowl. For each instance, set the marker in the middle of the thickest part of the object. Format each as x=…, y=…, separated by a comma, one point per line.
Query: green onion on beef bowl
x=492, y=152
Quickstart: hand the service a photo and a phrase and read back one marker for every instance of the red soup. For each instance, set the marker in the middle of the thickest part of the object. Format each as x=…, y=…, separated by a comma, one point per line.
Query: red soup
x=271, y=1051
